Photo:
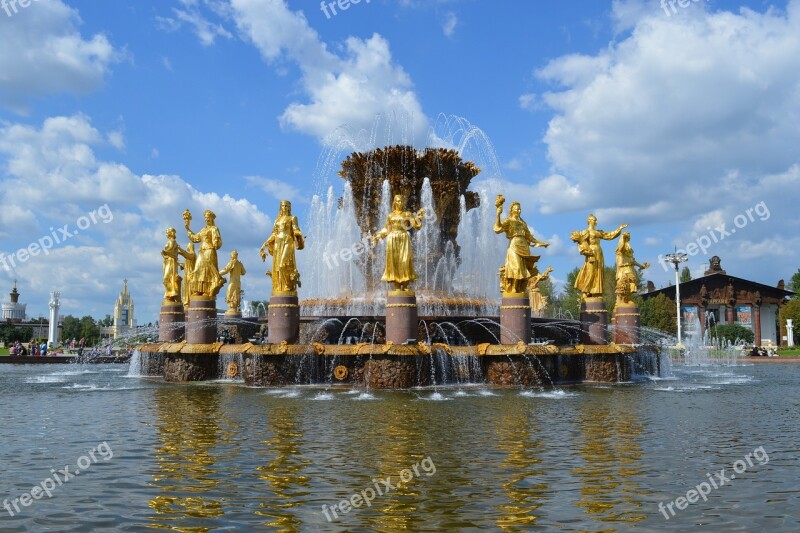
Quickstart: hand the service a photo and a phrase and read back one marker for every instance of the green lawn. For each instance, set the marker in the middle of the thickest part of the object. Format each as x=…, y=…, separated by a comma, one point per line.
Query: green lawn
x=794, y=352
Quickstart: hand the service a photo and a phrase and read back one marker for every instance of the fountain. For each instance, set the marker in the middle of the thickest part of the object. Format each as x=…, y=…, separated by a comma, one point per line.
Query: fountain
x=441, y=320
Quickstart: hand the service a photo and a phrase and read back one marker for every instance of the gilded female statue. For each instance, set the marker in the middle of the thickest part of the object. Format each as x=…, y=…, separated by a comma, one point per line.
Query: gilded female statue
x=520, y=265
x=188, y=268
x=172, y=281
x=399, y=259
x=205, y=279
x=281, y=244
x=626, y=270
x=236, y=270
x=590, y=277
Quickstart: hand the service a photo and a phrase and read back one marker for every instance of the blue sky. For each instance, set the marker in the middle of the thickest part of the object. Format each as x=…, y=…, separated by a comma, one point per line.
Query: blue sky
x=674, y=122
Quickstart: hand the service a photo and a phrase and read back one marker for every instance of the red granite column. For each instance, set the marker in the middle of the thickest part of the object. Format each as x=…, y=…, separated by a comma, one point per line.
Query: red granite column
x=171, y=322
x=401, y=317
x=201, y=325
x=515, y=318
x=284, y=318
x=594, y=321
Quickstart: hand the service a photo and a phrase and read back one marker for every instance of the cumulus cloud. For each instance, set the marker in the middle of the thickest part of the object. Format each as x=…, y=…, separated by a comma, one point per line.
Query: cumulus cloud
x=44, y=53
x=191, y=14
x=51, y=177
x=347, y=88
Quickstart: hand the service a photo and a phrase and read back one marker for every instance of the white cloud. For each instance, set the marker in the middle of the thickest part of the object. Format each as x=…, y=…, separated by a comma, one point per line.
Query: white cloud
x=687, y=110
x=279, y=190
x=348, y=89
x=44, y=53
x=51, y=177
x=449, y=24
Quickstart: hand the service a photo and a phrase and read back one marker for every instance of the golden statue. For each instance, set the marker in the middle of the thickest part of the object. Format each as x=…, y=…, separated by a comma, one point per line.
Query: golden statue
x=399, y=259
x=627, y=283
x=281, y=244
x=520, y=264
x=205, y=279
x=188, y=268
x=172, y=281
x=590, y=277
x=538, y=300
x=236, y=270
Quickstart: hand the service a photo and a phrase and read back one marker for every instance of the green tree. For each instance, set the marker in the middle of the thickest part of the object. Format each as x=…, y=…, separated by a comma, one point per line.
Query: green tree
x=70, y=328
x=686, y=274
x=89, y=330
x=659, y=313
x=106, y=322
x=791, y=311
x=794, y=284
x=568, y=299
x=732, y=333
x=10, y=333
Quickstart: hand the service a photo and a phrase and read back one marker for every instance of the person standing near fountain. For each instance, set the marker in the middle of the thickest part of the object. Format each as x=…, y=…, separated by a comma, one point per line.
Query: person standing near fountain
x=401, y=303
x=233, y=297
x=590, y=280
x=520, y=266
x=205, y=281
x=399, y=260
x=284, y=310
x=171, y=308
x=626, y=311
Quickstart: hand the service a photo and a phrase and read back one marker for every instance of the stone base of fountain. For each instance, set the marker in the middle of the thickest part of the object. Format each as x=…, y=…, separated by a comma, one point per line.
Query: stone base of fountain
x=594, y=318
x=626, y=322
x=201, y=323
x=389, y=366
x=170, y=322
x=515, y=319
x=284, y=318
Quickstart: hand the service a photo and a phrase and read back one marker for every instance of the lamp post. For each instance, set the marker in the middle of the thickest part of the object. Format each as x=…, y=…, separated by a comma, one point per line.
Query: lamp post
x=676, y=259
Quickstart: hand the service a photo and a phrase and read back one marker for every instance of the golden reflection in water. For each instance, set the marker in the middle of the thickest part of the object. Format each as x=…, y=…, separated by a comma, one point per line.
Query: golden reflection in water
x=611, y=451
x=186, y=422
x=525, y=488
x=283, y=473
x=400, y=444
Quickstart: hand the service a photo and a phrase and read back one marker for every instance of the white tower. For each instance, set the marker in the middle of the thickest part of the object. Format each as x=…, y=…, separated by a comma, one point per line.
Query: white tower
x=52, y=337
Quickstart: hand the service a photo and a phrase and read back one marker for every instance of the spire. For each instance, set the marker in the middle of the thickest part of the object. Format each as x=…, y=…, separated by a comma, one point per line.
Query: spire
x=14, y=294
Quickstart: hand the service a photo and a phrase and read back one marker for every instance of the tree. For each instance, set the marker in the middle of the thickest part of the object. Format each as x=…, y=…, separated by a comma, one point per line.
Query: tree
x=89, y=330
x=732, y=333
x=686, y=274
x=569, y=299
x=106, y=322
x=791, y=311
x=794, y=284
x=70, y=328
x=10, y=333
x=659, y=313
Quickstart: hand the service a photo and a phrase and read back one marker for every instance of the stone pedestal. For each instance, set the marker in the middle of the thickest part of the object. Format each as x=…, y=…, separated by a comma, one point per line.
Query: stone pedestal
x=626, y=322
x=284, y=318
x=515, y=318
x=401, y=317
x=594, y=321
x=170, y=322
x=201, y=324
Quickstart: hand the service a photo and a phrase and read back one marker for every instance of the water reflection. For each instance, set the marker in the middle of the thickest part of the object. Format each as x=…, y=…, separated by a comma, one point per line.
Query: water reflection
x=283, y=471
x=610, y=446
x=186, y=477
x=524, y=487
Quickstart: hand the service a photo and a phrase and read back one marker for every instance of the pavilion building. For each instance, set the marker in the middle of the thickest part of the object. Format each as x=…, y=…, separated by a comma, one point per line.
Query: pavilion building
x=719, y=298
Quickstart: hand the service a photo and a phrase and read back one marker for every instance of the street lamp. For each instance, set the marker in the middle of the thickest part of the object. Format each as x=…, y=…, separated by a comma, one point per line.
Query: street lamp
x=676, y=259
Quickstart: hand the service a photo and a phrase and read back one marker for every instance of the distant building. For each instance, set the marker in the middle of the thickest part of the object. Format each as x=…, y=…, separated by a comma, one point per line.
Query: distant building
x=719, y=298
x=124, y=322
x=13, y=311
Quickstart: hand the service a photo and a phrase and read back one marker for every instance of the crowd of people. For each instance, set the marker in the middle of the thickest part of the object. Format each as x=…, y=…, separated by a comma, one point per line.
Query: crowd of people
x=37, y=349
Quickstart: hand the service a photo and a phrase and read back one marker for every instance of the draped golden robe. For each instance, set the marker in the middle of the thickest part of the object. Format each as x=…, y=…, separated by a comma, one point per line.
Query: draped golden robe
x=399, y=260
